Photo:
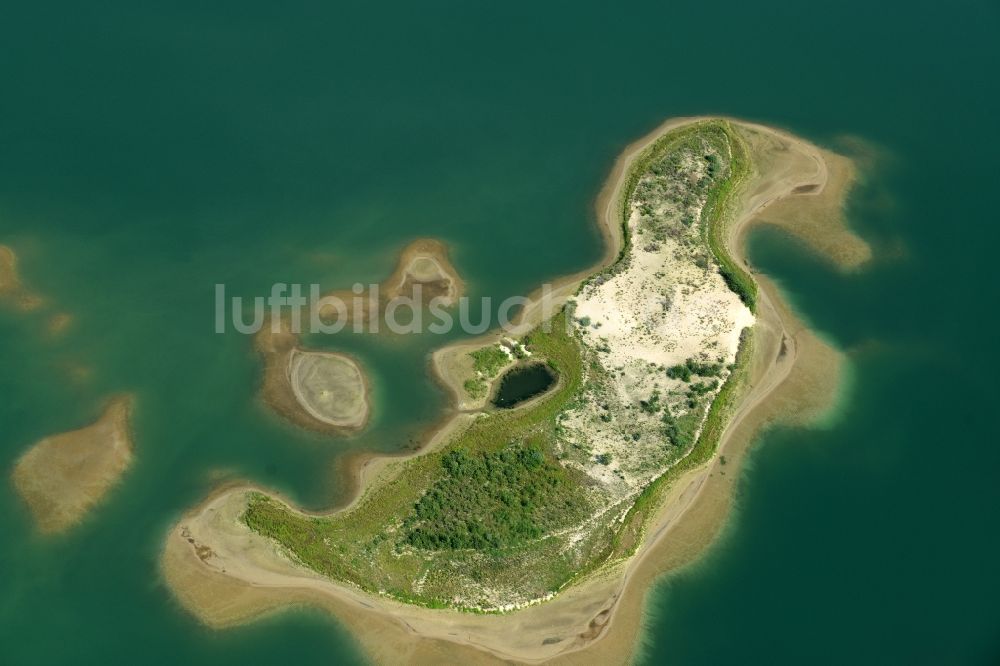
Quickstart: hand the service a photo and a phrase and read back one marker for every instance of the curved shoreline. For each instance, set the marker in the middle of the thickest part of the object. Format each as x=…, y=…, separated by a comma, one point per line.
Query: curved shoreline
x=606, y=605
x=542, y=301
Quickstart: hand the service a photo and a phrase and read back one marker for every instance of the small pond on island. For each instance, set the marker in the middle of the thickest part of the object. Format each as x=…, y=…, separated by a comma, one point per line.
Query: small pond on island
x=523, y=382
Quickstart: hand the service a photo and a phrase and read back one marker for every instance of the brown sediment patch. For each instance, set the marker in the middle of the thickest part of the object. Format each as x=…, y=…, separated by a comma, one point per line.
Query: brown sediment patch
x=812, y=212
x=62, y=477
x=12, y=290
x=451, y=364
x=76, y=371
x=792, y=377
x=341, y=407
x=9, y=280
x=58, y=324
x=425, y=262
x=423, y=273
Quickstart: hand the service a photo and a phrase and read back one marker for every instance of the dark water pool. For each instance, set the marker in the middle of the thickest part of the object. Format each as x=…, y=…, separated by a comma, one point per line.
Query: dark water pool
x=523, y=382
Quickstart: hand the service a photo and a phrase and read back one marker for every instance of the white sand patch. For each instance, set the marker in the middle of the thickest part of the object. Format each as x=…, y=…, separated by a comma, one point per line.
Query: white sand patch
x=667, y=303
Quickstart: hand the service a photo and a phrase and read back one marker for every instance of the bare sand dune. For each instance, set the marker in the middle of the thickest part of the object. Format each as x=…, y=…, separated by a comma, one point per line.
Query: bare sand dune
x=62, y=477
x=225, y=574
x=8, y=270
x=58, y=324
x=328, y=392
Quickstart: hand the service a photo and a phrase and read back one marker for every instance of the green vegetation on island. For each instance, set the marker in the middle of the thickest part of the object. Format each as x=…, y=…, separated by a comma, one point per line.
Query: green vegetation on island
x=370, y=546
x=494, y=500
x=520, y=504
x=489, y=360
x=487, y=363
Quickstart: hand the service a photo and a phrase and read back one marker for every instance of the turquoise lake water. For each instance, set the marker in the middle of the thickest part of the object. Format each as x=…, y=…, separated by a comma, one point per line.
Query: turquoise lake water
x=148, y=154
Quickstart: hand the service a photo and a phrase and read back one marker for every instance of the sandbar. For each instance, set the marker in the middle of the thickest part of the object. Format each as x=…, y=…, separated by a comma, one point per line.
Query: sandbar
x=318, y=390
x=62, y=477
x=423, y=273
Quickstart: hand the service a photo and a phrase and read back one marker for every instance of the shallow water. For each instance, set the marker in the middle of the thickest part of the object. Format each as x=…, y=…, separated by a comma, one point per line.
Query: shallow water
x=148, y=154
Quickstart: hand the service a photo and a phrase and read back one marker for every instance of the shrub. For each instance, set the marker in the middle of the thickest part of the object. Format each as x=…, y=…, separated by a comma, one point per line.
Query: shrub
x=491, y=501
x=681, y=372
x=652, y=405
x=489, y=360
x=476, y=388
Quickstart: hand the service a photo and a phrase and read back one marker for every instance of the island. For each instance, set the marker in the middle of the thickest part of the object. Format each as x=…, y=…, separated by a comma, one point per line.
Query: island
x=63, y=477
x=317, y=390
x=327, y=391
x=425, y=262
x=532, y=531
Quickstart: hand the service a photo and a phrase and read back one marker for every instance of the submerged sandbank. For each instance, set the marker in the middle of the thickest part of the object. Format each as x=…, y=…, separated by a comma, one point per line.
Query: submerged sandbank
x=62, y=477
x=226, y=574
x=14, y=293
x=423, y=272
x=812, y=211
x=12, y=289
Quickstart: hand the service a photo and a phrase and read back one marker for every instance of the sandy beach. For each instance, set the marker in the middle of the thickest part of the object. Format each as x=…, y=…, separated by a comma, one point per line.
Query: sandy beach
x=225, y=574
